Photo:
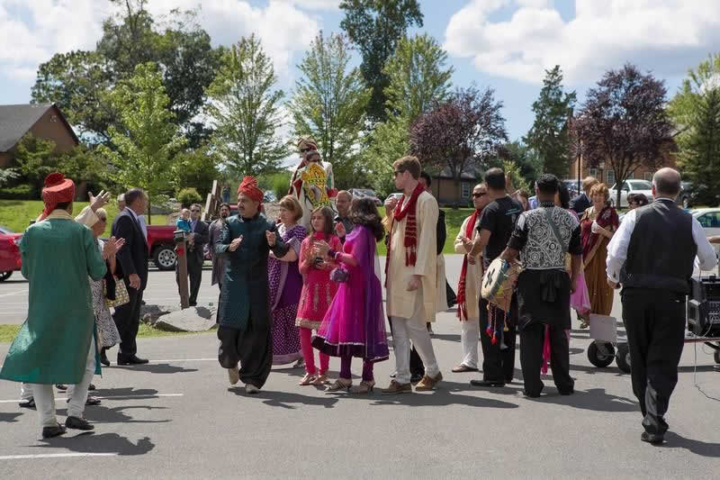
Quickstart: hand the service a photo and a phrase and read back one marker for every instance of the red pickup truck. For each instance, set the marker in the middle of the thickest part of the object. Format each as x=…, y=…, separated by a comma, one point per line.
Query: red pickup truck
x=161, y=246
x=9, y=253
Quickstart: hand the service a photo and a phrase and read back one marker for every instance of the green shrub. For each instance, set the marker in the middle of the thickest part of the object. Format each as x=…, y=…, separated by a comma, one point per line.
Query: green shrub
x=188, y=196
x=19, y=192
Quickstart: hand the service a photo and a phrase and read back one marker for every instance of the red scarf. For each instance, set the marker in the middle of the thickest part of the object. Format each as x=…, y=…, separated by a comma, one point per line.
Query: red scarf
x=410, y=240
x=461, y=298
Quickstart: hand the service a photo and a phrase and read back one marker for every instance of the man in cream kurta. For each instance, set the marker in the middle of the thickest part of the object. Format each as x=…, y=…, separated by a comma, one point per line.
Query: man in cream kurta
x=470, y=319
x=412, y=289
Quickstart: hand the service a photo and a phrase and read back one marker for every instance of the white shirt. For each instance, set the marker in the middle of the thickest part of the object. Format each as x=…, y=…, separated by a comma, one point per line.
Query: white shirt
x=141, y=221
x=618, y=247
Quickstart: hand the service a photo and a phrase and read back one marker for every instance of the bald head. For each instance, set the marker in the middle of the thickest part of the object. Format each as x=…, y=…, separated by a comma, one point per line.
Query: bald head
x=343, y=201
x=666, y=183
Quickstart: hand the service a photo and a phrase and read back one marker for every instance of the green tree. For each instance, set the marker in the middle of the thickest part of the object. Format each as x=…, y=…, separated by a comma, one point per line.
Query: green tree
x=76, y=81
x=36, y=158
x=528, y=162
x=682, y=109
x=196, y=168
x=418, y=80
x=245, y=110
x=700, y=148
x=376, y=27
x=147, y=142
x=549, y=135
x=329, y=104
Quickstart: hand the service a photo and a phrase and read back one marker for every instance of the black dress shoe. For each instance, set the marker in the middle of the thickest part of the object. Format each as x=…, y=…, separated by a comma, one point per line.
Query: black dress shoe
x=50, y=432
x=133, y=360
x=78, y=423
x=652, y=438
x=103, y=358
x=29, y=403
x=487, y=383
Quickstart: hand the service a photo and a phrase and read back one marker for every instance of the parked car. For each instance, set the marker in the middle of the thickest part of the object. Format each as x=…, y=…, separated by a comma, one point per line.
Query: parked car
x=365, y=193
x=628, y=187
x=161, y=246
x=709, y=218
x=572, y=186
x=685, y=199
x=10, y=260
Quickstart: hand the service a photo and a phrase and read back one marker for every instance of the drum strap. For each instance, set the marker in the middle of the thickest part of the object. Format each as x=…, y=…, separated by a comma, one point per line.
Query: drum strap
x=554, y=227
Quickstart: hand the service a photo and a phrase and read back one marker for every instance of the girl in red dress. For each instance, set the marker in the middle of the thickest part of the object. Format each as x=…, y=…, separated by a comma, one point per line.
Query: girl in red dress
x=317, y=293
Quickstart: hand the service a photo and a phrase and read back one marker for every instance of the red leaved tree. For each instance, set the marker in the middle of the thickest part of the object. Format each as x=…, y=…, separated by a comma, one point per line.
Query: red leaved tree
x=624, y=123
x=462, y=132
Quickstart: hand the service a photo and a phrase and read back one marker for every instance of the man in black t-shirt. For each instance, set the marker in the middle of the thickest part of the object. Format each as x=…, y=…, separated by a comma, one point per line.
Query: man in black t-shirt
x=496, y=227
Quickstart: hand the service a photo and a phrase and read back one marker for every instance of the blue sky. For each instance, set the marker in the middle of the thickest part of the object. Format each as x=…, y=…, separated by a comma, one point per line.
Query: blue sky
x=502, y=44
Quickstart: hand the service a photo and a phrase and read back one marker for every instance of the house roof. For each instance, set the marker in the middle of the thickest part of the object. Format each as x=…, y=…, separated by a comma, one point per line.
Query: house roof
x=17, y=120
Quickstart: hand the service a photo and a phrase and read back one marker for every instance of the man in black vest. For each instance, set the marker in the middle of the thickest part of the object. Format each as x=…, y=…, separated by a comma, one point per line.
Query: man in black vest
x=656, y=279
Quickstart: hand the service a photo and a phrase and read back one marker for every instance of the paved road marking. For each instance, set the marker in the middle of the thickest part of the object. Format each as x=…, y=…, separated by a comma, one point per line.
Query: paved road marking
x=114, y=397
x=56, y=455
x=214, y=359
x=13, y=293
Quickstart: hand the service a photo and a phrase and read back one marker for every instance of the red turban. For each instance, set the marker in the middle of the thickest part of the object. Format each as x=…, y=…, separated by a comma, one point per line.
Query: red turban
x=58, y=189
x=249, y=188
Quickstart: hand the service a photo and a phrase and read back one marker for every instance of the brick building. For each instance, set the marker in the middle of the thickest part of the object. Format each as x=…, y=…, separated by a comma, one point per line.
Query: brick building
x=44, y=121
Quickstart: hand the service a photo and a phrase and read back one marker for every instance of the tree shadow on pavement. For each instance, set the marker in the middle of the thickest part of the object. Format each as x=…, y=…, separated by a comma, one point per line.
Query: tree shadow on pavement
x=160, y=368
x=595, y=399
x=125, y=393
x=102, y=414
x=9, y=417
x=697, y=447
x=103, y=443
x=285, y=399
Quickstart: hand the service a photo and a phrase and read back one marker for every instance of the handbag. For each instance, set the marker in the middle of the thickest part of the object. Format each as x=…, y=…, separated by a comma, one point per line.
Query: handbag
x=121, y=294
x=339, y=275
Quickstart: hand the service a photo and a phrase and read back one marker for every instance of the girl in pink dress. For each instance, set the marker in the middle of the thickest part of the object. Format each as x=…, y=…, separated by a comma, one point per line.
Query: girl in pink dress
x=317, y=293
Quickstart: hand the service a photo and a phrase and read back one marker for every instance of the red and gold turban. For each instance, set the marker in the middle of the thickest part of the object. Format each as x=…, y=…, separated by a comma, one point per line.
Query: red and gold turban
x=249, y=188
x=58, y=189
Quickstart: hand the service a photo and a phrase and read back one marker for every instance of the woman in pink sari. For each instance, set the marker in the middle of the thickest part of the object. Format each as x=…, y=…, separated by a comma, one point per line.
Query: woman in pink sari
x=354, y=326
x=317, y=293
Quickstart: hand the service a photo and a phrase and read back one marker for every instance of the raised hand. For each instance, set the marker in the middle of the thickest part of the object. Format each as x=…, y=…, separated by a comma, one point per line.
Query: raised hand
x=98, y=202
x=235, y=244
x=340, y=230
x=112, y=246
x=321, y=248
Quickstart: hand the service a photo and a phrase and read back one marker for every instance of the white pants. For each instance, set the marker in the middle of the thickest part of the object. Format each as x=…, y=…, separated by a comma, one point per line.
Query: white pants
x=469, y=340
x=26, y=392
x=45, y=397
x=406, y=329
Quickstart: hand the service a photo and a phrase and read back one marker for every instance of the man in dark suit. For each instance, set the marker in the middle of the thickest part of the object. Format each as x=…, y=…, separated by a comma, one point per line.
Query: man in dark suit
x=133, y=262
x=583, y=201
x=197, y=238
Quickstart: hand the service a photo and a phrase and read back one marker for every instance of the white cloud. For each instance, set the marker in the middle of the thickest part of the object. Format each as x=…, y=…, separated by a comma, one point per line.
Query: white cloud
x=32, y=32
x=666, y=36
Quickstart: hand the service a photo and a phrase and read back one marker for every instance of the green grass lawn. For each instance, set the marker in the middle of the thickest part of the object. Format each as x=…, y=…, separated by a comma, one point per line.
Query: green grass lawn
x=453, y=222
x=8, y=332
x=17, y=214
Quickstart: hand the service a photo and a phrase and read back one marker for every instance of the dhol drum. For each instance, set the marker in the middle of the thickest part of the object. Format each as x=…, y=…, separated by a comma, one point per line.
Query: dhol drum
x=499, y=282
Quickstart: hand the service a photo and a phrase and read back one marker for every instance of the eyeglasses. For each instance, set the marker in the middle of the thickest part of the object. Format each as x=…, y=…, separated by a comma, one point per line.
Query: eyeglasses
x=195, y=211
x=478, y=195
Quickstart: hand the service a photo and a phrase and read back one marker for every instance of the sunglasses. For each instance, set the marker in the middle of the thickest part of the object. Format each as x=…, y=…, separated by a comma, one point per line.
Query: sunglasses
x=478, y=195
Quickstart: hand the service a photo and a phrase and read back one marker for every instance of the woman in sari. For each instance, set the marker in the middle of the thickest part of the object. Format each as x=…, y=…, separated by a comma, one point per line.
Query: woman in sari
x=354, y=325
x=599, y=223
x=286, y=284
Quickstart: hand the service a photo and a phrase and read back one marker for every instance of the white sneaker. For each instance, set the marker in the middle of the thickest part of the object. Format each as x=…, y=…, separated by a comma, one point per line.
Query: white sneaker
x=251, y=389
x=233, y=375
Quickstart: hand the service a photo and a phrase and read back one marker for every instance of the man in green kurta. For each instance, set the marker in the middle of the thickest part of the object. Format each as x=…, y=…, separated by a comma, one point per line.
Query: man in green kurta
x=55, y=344
x=244, y=331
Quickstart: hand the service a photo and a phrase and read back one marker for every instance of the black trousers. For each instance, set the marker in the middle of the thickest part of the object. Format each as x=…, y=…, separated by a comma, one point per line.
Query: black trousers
x=194, y=269
x=498, y=359
x=127, y=321
x=252, y=348
x=655, y=325
x=532, y=338
x=417, y=367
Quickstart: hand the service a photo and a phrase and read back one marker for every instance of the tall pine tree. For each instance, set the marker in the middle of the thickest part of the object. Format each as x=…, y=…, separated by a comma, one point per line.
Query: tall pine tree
x=700, y=149
x=549, y=135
